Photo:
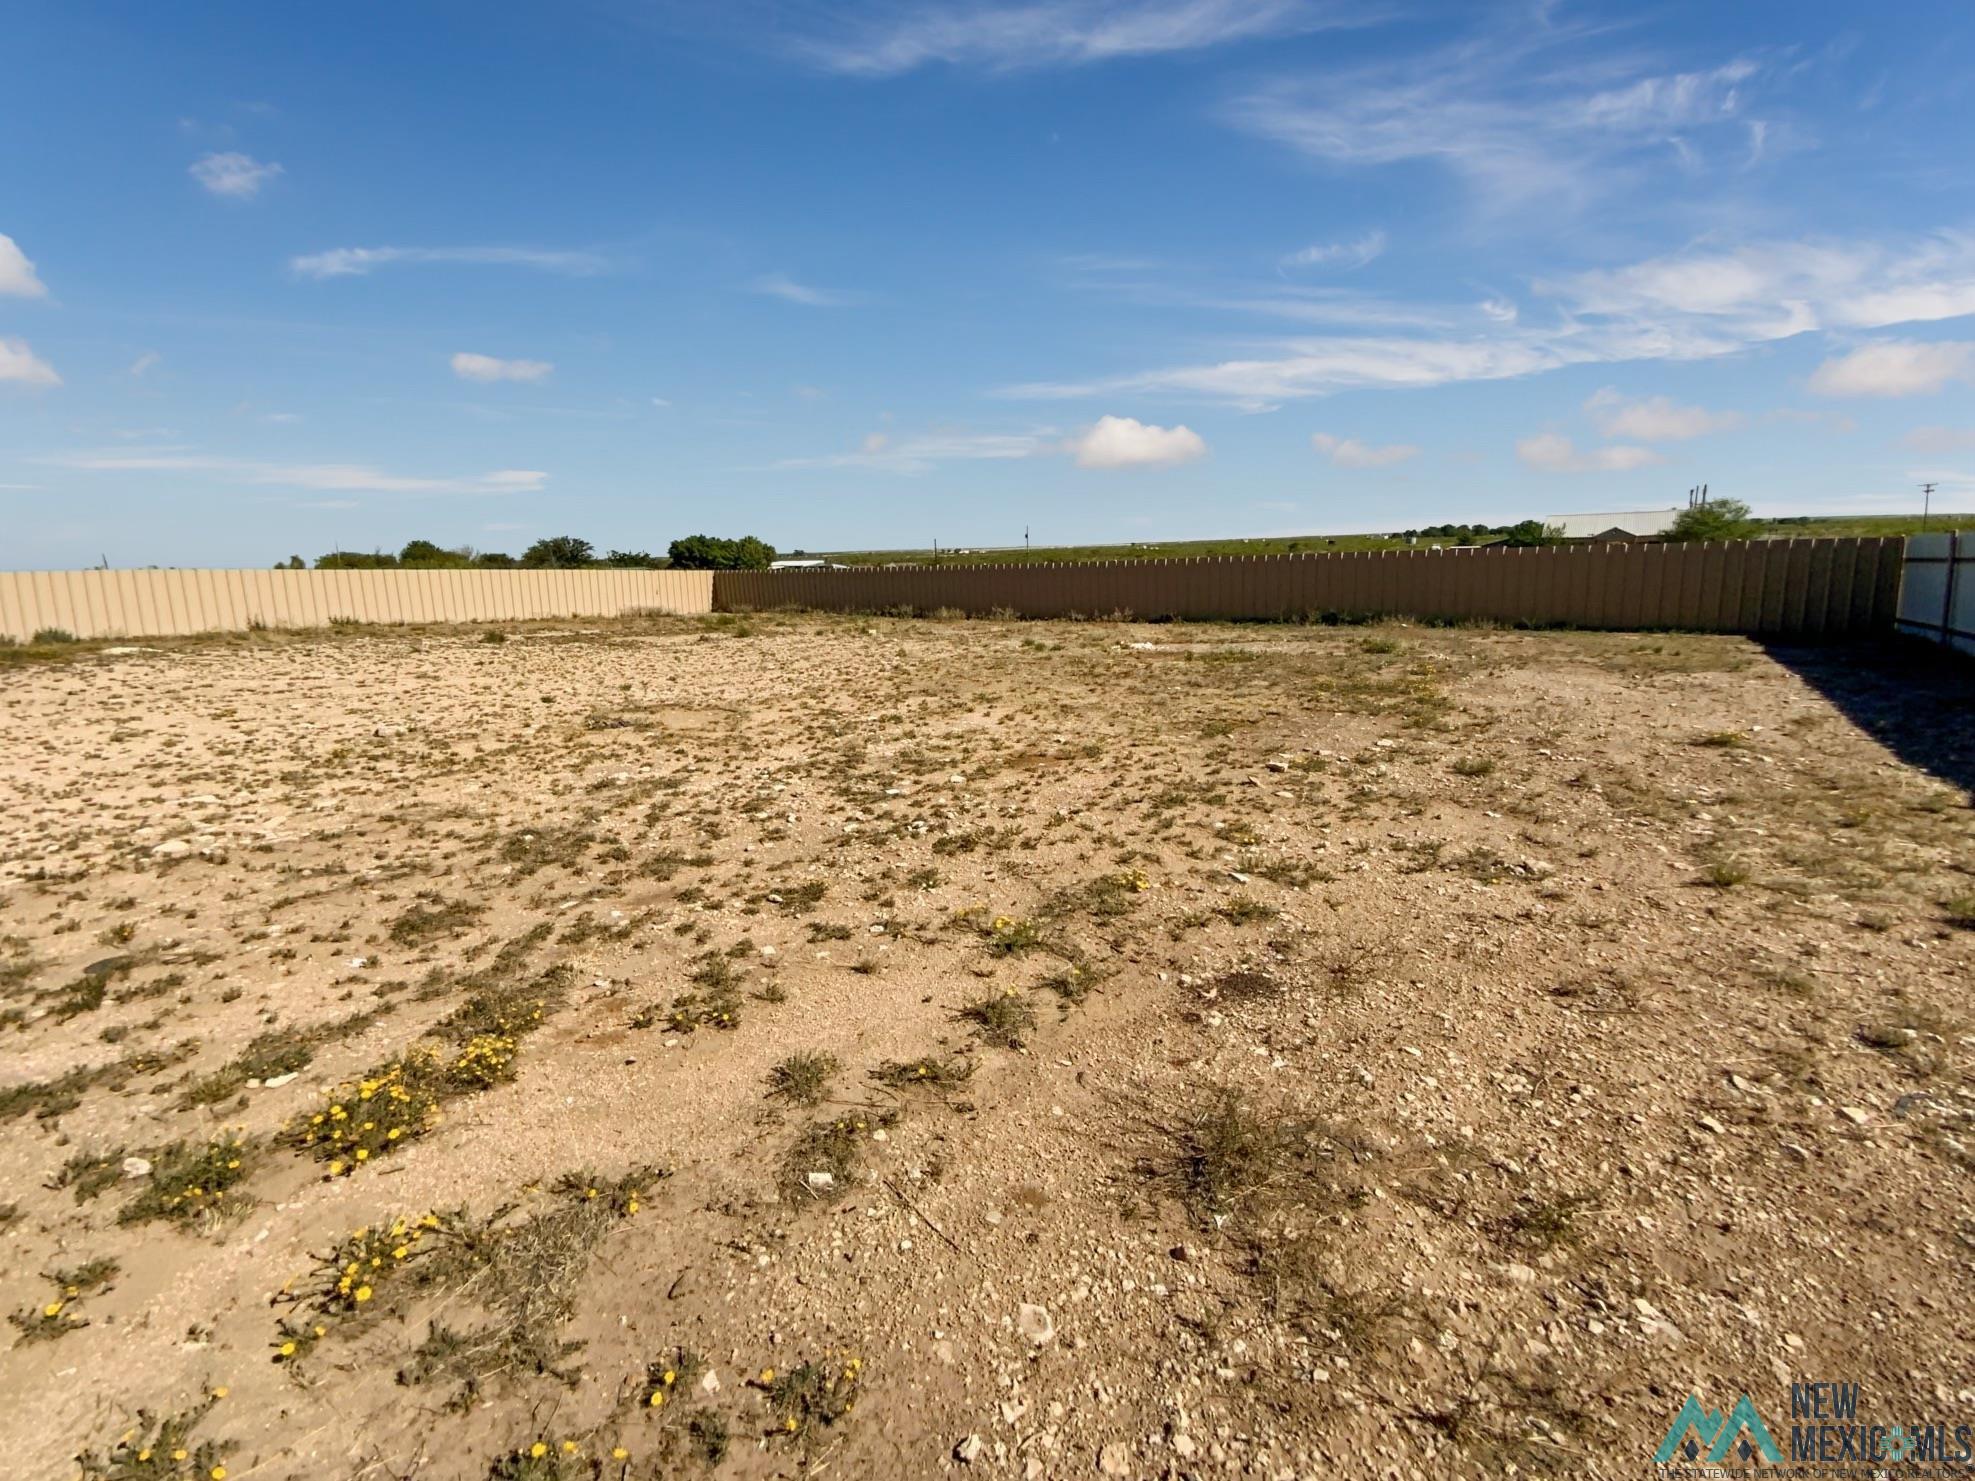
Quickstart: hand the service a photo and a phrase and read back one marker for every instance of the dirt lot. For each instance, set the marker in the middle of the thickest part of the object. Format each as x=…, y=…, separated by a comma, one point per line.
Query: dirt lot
x=793, y=1046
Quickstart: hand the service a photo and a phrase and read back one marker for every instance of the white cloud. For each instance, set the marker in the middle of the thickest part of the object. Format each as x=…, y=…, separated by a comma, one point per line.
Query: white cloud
x=1348, y=452
x=781, y=285
x=1125, y=442
x=17, y=275
x=1058, y=33
x=20, y=366
x=144, y=363
x=316, y=477
x=1895, y=367
x=1656, y=418
x=1551, y=452
x=1339, y=254
x=237, y=176
x=471, y=367
x=352, y=262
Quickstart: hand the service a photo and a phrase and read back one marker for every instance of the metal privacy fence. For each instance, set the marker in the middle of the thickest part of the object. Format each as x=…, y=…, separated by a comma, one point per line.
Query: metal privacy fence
x=131, y=604
x=1785, y=588
x=1937, y=596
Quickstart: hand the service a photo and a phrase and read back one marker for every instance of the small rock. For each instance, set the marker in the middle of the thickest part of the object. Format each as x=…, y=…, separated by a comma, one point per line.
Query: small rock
x=1114, y=1460
x=172, y=848
x=710, y=1384
x=1034, y=1323
x=1854, y=1115
x=821, y=1182
x=136, y=1167
x=969, y=1450
x=1710, y=1125
x=277, y=1081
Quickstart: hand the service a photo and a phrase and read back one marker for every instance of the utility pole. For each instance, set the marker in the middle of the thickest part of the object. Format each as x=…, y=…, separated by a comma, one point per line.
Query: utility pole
x=1926, y=503
x=1025, y=537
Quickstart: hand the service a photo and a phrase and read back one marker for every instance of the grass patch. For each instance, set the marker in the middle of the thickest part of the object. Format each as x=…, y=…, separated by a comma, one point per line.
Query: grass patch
x=433, y=918
x=277, y=1052
x=822, y=1162
x=933, y=1073
x=802, y=1078
x=190, y=1179
x=1002, y=1018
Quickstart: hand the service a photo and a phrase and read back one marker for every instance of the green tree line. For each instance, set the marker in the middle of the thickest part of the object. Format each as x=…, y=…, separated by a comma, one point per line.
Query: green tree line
x=556, y=552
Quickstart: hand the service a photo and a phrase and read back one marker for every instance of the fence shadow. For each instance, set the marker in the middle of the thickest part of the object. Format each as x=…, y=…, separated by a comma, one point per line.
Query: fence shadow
x=1915, y=698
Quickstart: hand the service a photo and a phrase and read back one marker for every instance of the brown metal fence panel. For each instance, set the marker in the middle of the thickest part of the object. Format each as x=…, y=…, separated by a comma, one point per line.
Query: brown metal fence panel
x=1795, y=588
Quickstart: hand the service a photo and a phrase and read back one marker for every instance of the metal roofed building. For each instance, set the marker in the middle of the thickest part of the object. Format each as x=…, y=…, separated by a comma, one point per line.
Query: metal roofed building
x=1631, y=524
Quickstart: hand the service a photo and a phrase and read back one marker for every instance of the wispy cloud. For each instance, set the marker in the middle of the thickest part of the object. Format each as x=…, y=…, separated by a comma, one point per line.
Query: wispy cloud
x=1517, y=118
x=144, y=364
x=1349, y=452
x=471, y=367
x=1938, y=440
x=1656, y=418
x=1895, y=367
x=235, y=176
x=18, y=278
x=352, y=262
x=20, y=366
x=1682, y=306
x=1551, y=452
x=315, y=477
x=900, y=37
x=925, y=452
x=782, y=286
x=1339, y=254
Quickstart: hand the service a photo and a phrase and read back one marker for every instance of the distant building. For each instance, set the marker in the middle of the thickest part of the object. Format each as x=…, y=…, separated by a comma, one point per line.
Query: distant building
x=1632, y=524
x=804, y=565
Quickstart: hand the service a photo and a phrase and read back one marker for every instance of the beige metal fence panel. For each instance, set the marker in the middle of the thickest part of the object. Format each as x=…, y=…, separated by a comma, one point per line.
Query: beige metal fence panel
x=137, y=604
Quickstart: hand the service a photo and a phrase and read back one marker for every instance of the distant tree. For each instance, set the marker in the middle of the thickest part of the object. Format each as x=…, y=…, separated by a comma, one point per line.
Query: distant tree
x=355, y=560
x=427, y=554
x=1527, y=533
x=495, y=560
x=295, y=563
x=558, y=551
x=1718, y=519
x=633, y=560
x=711, y=553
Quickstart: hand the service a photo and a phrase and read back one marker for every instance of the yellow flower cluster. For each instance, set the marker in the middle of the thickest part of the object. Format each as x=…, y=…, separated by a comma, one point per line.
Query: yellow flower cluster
x=349, y=1278
x=369, y=1117
x=486, y=1061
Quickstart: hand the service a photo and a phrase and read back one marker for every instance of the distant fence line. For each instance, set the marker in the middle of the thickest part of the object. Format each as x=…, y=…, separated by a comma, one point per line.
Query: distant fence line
x=134, y=604
x=1785, y=588
x=1782, y=588
x=1937, y=598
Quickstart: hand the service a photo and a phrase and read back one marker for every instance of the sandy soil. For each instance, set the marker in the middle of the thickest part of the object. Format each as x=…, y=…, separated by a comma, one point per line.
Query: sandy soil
x=1235, y=1051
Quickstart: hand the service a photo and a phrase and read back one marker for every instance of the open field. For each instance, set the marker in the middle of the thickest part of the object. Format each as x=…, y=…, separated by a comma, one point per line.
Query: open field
x=790, y=1046
x=1798, y=528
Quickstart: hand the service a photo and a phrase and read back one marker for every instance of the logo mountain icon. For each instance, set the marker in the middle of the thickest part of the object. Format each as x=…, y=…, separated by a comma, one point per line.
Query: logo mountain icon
x=1718, y=1433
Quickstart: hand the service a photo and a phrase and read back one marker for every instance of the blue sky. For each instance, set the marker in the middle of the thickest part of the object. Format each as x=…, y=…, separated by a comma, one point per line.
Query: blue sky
x=280, y=279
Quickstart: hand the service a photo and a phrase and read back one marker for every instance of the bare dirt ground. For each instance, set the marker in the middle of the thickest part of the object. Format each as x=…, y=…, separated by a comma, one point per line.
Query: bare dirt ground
x=794, y=1046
